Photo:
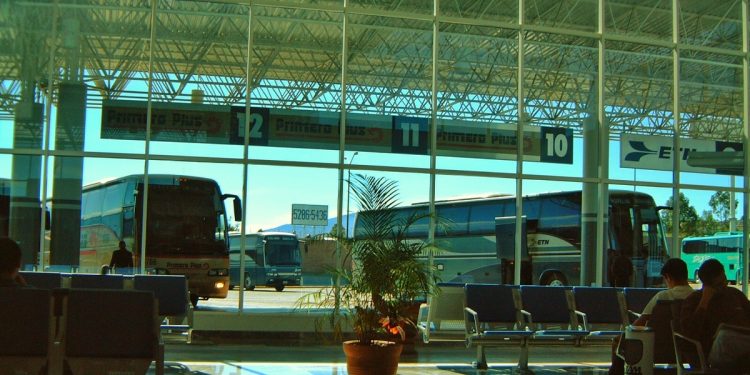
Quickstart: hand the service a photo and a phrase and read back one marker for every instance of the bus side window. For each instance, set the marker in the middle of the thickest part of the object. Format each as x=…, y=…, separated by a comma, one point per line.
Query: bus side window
x=694, y=247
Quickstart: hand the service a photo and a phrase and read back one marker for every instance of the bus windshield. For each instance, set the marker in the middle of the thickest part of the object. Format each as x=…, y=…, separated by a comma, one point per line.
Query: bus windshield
x=282, y=251
x=185, y=219
x=636, y=228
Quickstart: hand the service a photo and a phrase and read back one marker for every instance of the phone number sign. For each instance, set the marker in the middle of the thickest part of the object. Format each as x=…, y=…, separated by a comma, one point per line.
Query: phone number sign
x=306, y=214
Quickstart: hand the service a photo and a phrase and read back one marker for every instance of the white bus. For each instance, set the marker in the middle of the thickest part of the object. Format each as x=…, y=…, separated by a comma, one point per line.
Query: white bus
x=476, y=240
x=186, y=234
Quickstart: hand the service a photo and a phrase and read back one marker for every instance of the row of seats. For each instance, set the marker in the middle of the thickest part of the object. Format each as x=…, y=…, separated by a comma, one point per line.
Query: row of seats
x=171, y=291
x=79, y=331
x=489, y=314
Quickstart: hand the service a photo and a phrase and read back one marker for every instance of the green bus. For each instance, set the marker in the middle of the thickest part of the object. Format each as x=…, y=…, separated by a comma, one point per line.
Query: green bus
x=726, y=247
x=271, y=259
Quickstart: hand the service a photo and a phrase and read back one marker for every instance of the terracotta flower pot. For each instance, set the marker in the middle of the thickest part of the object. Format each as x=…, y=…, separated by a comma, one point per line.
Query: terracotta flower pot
x=379, y=358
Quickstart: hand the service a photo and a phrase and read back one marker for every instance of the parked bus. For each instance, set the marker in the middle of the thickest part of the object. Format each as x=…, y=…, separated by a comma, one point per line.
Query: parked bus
x=186, y=228
x=271, y=259
x=476, y=240
x=726, y=247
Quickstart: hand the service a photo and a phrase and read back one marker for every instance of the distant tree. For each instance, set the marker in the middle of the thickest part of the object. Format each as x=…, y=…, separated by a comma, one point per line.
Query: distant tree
x=720, y=204
x=689, y=220
x=337, y=231
x=709, y=225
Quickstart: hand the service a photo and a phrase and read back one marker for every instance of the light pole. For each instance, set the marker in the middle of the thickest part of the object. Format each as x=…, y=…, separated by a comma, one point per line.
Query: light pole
x=349, y=189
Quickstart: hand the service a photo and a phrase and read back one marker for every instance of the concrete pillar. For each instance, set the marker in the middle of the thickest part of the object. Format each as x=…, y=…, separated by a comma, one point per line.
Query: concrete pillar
x=589, y=201
x=68, y=176
x=24, y=219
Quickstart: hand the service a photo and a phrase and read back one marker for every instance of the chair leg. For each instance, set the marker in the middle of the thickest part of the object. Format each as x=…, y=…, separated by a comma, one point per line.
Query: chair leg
x=481, y=362
x=523, y=359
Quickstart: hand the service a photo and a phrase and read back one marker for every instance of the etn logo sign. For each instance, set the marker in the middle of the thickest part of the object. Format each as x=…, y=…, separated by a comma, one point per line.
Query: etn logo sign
x=409, y=135
x=557, y=145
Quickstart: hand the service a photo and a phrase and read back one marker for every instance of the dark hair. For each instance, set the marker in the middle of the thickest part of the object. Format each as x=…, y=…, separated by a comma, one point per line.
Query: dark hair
x=709, y=270
x=675, y=268
x=121, y=243
x=10, y=255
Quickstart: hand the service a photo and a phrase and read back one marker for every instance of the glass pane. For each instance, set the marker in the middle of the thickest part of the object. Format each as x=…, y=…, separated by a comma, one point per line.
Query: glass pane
x=199, y=84
x=477, y=131
x=296, y=75
x=492, y=10
x=638, y=105
x=716, y=25
x=560, y=97
x=645, y=20
x=389, y=90
x=562, y=14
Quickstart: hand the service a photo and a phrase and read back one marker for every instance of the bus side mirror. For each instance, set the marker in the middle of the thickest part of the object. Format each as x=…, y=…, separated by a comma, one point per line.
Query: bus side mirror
x=237, y=209
x=47, y=220
x=236, y=204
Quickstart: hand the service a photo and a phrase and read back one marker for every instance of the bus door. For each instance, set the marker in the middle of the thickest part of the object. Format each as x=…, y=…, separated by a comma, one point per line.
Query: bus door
x=505, y=240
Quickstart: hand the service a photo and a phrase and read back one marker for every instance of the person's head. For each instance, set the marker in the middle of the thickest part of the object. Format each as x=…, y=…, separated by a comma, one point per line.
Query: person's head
x=674, y=272
x=122, y=244
x=10, y=257
x=711, y=272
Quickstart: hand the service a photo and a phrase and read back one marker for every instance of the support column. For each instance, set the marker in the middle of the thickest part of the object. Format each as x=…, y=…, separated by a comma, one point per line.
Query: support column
x=68, y=176
x=24, y=219
x=589, y=201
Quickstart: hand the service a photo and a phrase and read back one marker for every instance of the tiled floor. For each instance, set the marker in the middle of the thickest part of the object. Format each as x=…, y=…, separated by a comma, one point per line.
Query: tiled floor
x=455, y=359
x=261, y=368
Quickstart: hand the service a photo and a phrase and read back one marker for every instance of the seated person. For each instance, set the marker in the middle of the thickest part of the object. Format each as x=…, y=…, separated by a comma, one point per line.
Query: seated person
x=709, y=313
x=10, y=264
x=675, y=276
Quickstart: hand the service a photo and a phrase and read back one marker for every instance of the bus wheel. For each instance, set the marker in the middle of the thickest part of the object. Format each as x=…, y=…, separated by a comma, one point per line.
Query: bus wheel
x=279, y=287
x=194, y=300
x=249, y=283
x=553, y=279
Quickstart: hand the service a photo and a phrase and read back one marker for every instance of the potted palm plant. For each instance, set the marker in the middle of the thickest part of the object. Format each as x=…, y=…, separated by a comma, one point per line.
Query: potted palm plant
x=387, y=277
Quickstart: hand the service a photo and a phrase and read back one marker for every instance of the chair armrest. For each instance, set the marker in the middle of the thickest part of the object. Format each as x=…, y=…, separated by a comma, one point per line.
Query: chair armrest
x=698, y=348
x=471, y=321
x=584, y=318
x=423, y=311
x=423, y=323
x=526, y=317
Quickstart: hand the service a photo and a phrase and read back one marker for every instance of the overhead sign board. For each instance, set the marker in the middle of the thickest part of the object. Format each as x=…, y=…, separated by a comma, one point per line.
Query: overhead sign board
x=307, y=214
x=654, y=152
x=320, y=130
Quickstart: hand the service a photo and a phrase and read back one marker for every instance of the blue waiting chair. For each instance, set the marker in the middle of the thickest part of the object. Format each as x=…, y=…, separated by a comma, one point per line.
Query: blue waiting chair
x=493, y=317
x=96, y=281
x=108, y=331
x=552, y=311
x=27, y=330
x=43, y=280
x=601, y=309
x=171, y=292
x=636, y=300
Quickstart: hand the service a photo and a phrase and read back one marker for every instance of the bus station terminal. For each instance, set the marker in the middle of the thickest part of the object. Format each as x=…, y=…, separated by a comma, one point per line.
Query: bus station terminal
x=374, y=187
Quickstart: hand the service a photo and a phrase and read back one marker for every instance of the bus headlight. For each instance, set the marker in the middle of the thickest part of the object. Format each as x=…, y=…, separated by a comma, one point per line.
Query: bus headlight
x=158, y=271
x=218, y=272
x=219, y=285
